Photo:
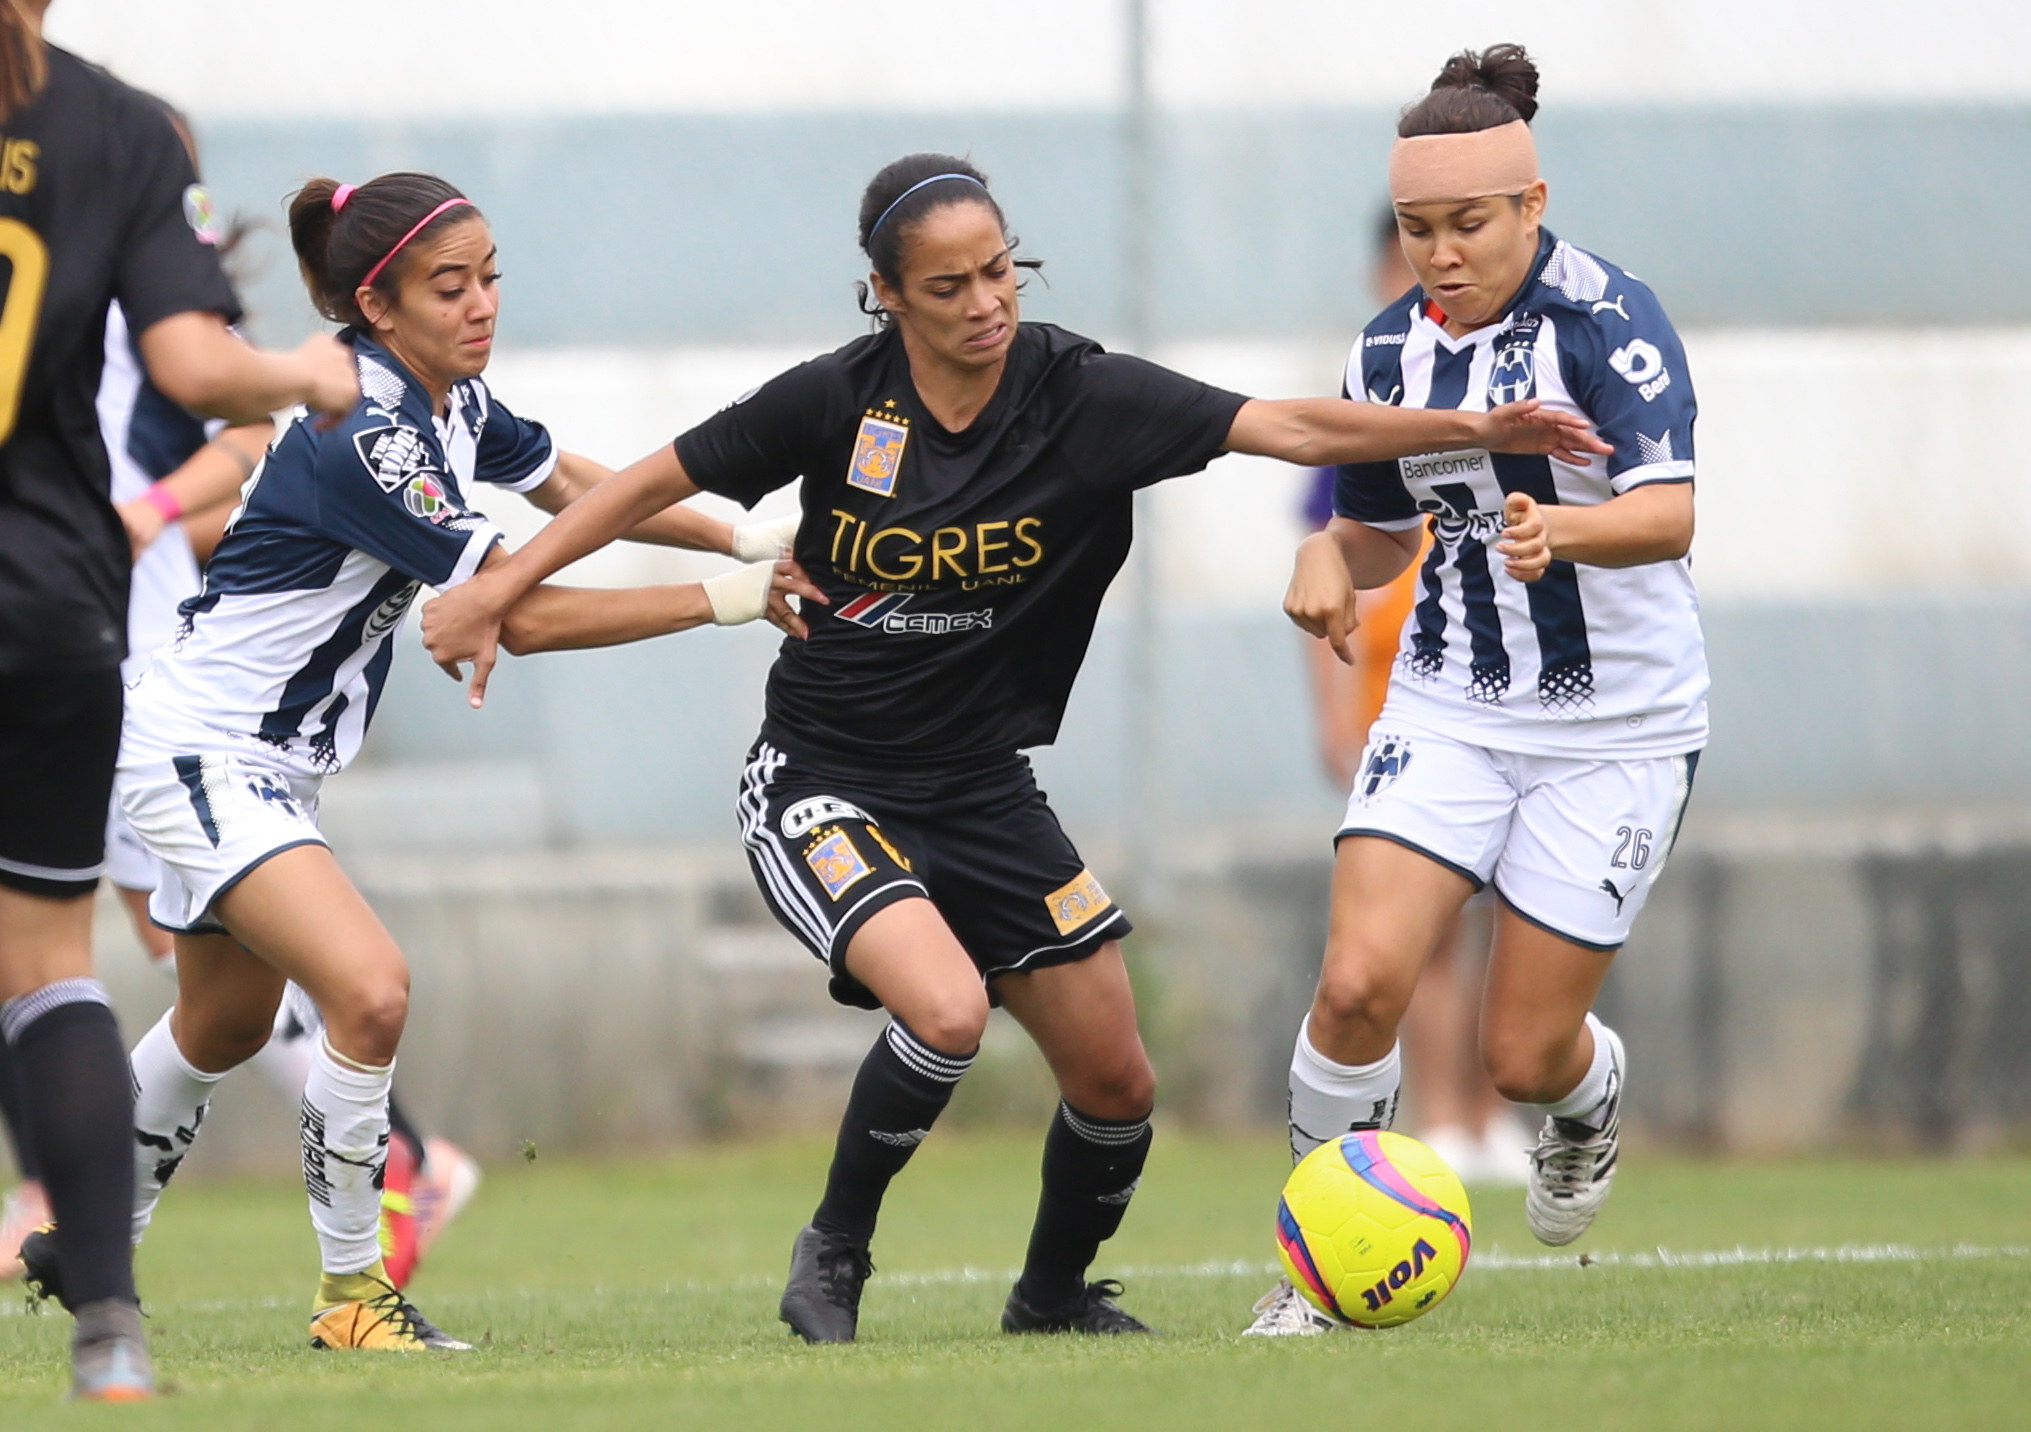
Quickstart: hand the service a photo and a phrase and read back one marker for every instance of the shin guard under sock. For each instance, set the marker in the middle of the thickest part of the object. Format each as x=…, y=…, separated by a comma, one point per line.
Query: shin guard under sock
x=1091, y=1169
x=345, y=1148
x=1330, y=1099
x=171, y=1097
x=79, y=1111
x=902, y=1087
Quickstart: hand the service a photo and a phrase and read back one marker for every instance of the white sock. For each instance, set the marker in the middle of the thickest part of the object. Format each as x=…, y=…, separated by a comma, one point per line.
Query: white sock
x=1588, y=1097
x=170, y=1099
x=345, y=1147
x=1328, y=1099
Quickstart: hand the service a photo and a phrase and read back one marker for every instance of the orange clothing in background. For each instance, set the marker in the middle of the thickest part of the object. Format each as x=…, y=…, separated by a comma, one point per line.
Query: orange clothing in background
x=1383, y=611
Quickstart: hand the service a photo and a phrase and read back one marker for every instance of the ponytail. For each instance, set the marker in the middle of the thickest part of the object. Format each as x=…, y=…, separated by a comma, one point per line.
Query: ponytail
x=345, y=234
x=24, y=65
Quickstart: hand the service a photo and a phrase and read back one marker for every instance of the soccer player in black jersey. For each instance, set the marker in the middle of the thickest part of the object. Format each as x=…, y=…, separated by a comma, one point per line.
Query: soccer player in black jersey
x=966, y=500
x=98, y=201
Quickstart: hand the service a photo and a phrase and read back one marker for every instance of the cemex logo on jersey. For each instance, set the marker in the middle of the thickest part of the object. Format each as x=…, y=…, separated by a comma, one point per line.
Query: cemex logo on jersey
x=1514, y=375
x=394, y=455
x=1388, y=758
x=1642, y=365
x=883, y=611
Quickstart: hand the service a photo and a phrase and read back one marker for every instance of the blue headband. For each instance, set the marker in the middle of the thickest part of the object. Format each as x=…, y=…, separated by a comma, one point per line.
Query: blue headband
x=935, y=178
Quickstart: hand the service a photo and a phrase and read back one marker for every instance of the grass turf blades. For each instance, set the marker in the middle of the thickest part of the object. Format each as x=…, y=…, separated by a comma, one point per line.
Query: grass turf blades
x=626, y=1295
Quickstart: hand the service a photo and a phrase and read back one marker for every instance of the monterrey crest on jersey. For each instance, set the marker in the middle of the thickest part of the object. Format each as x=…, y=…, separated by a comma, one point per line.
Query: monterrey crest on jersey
x=288, y=644
x=1605, y=659
x=965, y=568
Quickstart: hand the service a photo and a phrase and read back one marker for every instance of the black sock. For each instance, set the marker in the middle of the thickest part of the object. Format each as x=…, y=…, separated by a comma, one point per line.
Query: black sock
x=903, y=1086
x=1091, y=1168
x=79, y=1101
x=11, y=1114
x=399, y=1127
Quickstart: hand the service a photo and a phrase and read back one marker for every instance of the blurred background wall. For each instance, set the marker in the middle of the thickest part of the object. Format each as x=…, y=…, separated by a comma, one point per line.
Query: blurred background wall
x=1830, y=198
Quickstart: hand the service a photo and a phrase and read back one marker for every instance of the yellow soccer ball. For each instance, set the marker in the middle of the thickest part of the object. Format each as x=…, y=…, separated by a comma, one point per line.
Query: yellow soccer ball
x=1374, y=1229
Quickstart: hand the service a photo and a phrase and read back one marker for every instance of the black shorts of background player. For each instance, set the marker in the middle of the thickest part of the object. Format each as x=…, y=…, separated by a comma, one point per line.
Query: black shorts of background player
x=97, y=202
x=967, y=486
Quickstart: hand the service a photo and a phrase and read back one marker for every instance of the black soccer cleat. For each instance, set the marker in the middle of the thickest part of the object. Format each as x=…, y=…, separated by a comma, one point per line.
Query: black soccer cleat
x=1093, y=1311
x=41, y=1271
x=822, y=1301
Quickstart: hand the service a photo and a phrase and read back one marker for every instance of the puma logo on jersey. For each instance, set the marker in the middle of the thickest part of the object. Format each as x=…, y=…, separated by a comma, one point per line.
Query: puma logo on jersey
x=1608, y=886
x=1612, y=305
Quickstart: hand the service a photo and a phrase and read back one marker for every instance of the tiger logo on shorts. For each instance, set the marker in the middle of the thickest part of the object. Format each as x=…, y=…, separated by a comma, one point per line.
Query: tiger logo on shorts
x=1387, y=758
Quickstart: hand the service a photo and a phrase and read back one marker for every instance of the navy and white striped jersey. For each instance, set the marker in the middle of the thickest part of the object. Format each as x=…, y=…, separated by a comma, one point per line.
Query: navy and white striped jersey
x=1586, y=659
x=288, y=645
x=147, y=438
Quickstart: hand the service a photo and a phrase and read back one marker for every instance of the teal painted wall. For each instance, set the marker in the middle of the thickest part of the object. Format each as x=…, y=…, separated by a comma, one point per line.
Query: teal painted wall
x=728, y=229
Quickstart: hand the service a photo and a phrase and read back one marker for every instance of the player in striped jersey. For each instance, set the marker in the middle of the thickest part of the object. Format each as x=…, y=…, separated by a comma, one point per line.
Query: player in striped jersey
x=270, y=683
x=1548, y=706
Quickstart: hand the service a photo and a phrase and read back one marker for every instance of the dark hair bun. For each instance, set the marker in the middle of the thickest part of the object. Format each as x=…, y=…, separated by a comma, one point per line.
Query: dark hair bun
x=1505, y=71
x=1476, y=91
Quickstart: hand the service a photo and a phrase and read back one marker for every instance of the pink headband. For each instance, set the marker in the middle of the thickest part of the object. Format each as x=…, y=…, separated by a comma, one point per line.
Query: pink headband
x=421, y=224
x=340, y=195
x=1436, y=168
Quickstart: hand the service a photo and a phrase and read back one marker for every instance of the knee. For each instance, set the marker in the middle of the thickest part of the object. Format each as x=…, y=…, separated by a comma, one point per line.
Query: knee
x=1523, y=1069
x=1354, y=994
x=218, y=1039
x=1122, y=1088
x=368, y=1024
x=951, y=1022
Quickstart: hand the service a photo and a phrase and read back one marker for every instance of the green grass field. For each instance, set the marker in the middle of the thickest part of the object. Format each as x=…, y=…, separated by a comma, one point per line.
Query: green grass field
x=643, y=1295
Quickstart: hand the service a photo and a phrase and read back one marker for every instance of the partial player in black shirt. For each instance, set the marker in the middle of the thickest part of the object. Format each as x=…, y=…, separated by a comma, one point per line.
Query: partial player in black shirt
x=967, y=486
x=98, y=202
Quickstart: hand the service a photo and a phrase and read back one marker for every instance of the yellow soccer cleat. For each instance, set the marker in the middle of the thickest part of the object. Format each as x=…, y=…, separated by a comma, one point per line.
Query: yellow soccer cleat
x=381, y=1320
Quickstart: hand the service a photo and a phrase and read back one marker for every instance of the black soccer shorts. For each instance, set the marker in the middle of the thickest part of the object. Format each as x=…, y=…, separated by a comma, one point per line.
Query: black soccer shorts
x=59, y=738
x=832, y=847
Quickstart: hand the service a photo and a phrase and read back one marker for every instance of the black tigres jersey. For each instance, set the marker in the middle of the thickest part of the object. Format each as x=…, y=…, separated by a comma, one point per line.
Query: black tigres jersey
x=965, y=569
x=97, y=201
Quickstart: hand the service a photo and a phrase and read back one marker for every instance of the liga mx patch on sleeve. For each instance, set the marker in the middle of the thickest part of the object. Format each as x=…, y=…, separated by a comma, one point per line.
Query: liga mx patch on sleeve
x=877, y=455
x=1076, y=902
x=837, y=862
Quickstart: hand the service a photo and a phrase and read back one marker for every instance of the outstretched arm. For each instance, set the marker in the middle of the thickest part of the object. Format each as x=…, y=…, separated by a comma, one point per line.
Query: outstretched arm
x=201, y=364
x=1320, y=432
x=464, y=624
x=572, y=618
x=675, y=526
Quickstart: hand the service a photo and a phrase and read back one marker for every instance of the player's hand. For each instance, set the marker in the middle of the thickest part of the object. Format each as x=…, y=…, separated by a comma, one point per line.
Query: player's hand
x=144, y=523
x=1321, y=595
x=1529, y=426
x=1525, y=544
x=790, y=581
x=464, y=624
x=332, y=378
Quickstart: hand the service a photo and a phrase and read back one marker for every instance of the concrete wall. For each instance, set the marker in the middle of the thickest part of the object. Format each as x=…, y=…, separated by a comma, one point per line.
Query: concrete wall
x=1796, y=984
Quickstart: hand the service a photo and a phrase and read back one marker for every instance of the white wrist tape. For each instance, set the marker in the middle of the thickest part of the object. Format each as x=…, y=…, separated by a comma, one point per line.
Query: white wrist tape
x=766, y=541
x=740, y=595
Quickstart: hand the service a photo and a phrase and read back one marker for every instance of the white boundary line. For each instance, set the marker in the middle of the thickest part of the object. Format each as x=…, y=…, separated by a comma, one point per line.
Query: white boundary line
x=1493, y=1260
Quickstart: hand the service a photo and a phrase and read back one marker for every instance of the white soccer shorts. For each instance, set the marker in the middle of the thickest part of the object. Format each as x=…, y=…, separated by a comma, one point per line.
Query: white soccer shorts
x=209, y=820
x=1573, y=845
x=128, y=863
